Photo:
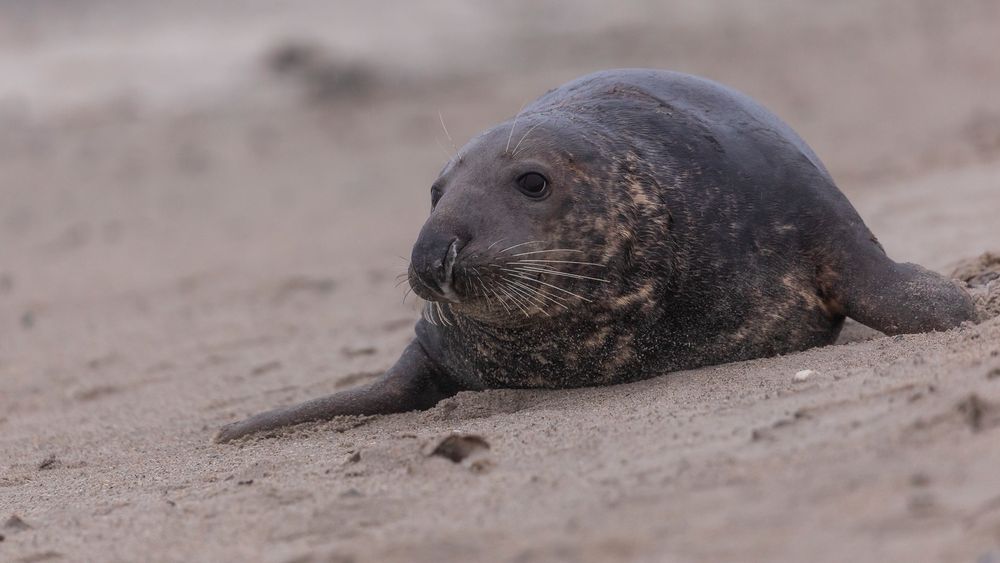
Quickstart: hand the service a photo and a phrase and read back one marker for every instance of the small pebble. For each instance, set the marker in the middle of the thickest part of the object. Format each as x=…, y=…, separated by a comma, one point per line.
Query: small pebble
x=803, y=375
x=457, y=447
x=351, y=493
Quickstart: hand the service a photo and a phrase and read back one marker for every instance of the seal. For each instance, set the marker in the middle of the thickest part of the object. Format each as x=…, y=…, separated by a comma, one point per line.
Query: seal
x=624, y=225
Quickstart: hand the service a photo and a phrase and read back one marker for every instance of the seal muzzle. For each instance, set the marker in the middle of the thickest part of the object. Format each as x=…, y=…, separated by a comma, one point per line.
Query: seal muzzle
x=433, y=266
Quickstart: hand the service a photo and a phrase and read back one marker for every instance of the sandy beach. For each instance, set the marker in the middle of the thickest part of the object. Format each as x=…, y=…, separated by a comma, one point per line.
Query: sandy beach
x=204, y=207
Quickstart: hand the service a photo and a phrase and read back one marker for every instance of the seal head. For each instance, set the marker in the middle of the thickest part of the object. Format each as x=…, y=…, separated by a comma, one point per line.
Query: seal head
x=526, y=222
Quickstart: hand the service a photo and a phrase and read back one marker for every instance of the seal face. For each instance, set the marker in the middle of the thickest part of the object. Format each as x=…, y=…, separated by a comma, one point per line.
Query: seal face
x=626, y=224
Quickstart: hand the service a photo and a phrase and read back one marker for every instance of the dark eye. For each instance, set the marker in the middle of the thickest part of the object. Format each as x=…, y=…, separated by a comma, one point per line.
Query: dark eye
x=533, y=185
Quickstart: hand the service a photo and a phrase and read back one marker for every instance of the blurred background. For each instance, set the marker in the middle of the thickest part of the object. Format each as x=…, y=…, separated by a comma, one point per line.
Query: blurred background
x=144, y=140
x=204, y=204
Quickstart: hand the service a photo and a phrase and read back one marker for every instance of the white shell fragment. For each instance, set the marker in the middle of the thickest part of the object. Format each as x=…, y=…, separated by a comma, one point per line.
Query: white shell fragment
x=803, y=375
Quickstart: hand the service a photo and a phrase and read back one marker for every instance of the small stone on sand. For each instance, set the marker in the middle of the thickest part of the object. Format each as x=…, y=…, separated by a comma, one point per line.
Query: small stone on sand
x=803, y=375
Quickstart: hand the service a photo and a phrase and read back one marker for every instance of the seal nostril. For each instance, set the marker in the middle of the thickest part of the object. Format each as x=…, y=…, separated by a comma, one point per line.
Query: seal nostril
x=449, y=257
x=445, y=269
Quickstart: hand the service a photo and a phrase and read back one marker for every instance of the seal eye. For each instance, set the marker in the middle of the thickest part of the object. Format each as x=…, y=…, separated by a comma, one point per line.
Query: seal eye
x=533, y=185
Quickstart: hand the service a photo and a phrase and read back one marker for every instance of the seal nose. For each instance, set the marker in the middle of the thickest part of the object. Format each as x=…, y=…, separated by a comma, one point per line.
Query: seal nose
x=433, y=261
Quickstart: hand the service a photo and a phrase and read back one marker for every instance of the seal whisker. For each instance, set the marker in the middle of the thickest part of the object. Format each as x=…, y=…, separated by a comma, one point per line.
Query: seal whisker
x=501, y=300
x=556, y=273
x=441, y=316
x=534, y=267
x=448, y=135
x=514, y=154
x=557, y=288
x=521, y=297
x=530, y=299
x=552, y=250
x=523, y=285
x=444, y=150
x=494, y=244
x=539, y=266
x=505, y=291
x=513, y=299
x=512, y=127
x=472, y=286
x=486, y=296
x=521, y=244
x=556, y=300
x=535, y=260
x=495, y=294
x=426, y=315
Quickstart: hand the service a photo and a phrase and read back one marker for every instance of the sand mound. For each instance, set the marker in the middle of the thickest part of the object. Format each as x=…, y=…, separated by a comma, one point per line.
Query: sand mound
x=982, y=277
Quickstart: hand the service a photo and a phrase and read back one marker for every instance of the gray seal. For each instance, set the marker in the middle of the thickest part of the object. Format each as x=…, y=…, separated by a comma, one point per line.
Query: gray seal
x=624, y=225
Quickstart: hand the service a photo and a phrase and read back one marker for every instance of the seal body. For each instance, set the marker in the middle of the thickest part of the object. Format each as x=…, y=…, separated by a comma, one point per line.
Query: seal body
x=720, y=234
x=627, y=224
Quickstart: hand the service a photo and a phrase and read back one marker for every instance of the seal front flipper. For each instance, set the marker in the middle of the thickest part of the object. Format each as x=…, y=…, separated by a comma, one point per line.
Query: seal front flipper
x=413, y=383
x=897, y=298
